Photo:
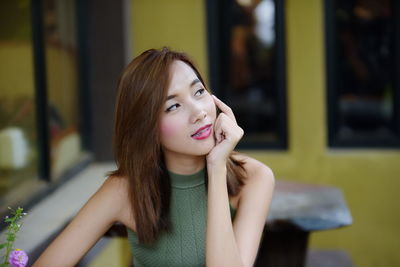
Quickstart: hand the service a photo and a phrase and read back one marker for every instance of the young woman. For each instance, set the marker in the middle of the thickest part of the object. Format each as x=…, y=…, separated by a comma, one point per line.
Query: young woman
x=185, y=197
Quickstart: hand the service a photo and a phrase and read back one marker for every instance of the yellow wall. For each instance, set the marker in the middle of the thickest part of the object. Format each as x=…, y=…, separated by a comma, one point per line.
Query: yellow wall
x=368, y=178
x=178, y=24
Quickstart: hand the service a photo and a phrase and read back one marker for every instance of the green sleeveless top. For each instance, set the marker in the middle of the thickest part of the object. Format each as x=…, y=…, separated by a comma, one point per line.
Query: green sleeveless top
x=185, y=244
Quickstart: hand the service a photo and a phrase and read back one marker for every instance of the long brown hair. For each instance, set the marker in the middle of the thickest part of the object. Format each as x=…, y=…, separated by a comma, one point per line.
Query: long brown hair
x=142, y=91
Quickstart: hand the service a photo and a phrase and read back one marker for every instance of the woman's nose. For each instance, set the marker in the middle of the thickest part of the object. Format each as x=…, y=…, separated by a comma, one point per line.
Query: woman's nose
x=198, y=114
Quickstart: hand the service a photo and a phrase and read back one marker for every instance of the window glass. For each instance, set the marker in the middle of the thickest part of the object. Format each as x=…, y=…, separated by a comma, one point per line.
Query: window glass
x=364, y=95
x=18, y=139
x=61, y=53
x=252, y=87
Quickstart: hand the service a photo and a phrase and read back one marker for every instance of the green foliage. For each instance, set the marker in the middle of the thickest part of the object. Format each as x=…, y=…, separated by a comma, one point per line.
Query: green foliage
x=11, y=234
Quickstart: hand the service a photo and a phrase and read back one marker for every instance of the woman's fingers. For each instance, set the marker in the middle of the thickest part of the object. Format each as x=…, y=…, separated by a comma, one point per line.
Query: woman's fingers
x=226, y=128
x=219, y=132
x=227, y=134
x=224, y=108
x=217, y=129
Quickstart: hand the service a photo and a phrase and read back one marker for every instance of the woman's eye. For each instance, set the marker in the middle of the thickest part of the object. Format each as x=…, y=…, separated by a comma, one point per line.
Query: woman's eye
x=200, y=92
x=173, y=107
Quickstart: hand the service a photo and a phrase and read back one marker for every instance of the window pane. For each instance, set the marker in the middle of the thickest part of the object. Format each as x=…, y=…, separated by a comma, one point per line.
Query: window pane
x=18, y=141
x=61, y=54
x=364, y=74
x=252, y=88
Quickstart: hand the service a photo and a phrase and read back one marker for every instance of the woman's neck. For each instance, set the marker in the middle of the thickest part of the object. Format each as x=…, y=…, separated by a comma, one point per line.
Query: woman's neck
x=183, y=164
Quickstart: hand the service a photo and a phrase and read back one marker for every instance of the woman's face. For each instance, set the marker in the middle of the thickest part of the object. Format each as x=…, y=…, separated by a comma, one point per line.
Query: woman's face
x=188, y=116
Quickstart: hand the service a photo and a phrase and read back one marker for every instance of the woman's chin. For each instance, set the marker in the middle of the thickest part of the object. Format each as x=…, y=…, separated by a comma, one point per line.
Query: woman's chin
x=197, y=149
x=205, y=149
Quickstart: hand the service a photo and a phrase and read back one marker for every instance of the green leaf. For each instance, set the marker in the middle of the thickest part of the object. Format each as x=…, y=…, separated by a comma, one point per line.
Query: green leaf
x=3, y=245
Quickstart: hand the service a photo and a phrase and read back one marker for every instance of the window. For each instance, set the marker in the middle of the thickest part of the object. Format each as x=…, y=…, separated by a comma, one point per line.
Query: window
x=246, y=59
x=40, y=99
x=18, y=130
x=362, y=40
x=62, y=84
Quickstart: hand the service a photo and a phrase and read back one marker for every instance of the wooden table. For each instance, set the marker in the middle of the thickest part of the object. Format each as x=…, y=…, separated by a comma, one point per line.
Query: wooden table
x=296, y=211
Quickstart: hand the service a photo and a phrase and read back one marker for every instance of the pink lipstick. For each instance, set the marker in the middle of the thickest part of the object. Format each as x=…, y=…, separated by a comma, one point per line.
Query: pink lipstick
x=203, y=132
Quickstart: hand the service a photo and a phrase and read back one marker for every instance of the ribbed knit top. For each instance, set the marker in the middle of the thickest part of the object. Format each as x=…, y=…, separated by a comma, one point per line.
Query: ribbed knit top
x=185, y=244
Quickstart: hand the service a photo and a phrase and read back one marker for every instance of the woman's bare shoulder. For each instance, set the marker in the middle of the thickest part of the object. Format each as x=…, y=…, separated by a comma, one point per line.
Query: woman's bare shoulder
x=117, y=188
x=114, y=188
x=116, y=184
x=255, y=169
x=258, y=186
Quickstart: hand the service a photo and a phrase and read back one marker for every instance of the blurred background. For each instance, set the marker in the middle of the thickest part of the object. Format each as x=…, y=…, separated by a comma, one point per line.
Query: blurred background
x=314, y=83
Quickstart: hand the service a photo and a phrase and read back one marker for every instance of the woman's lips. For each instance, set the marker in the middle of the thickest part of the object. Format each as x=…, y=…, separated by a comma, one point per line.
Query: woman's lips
x=203, y=132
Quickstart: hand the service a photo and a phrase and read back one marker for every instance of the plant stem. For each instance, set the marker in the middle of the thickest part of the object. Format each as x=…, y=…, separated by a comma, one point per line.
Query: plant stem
x=12, y=230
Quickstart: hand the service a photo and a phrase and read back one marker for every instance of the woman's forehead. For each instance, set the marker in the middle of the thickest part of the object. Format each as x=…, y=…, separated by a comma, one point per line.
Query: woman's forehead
x=182, y=76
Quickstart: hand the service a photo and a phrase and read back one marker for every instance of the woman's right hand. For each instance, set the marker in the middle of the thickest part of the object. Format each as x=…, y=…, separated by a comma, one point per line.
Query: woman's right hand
x=227, y=134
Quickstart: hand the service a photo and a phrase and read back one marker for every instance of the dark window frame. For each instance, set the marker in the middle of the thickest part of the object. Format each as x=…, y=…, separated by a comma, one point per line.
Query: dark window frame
x=41, y=104
x=332, y=97
x=217, y=39
x=39, y=68
x=41, y=97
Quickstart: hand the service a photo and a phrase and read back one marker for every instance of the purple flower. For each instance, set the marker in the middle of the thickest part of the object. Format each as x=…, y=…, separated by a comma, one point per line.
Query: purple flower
x=18, y=258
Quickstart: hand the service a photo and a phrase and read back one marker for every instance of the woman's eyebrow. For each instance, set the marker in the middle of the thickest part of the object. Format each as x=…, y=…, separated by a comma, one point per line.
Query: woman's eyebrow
x=170, y=97
x=195, y=81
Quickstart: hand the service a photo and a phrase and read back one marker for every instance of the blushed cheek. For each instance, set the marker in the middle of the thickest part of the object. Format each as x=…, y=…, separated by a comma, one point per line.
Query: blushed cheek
x=168, y=129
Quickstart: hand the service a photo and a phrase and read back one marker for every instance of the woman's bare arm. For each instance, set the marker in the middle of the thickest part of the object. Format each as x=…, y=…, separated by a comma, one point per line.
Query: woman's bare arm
x=92, y=221
x=237, y=243
x=234, y=244
x=254, y=202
